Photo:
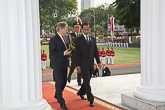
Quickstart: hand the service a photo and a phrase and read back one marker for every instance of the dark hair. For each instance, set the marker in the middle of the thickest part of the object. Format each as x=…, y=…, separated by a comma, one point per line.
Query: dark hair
x=84, y=24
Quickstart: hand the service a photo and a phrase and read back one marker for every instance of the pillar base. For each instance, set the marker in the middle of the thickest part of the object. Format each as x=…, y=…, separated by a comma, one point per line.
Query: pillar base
x=40, y=105
x=150, y=93
x=130, y=100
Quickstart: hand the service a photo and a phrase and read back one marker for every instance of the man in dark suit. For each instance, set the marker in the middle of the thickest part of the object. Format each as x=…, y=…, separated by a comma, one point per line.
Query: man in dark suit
x=59, y=52
x=105, y=70
x=86, y=51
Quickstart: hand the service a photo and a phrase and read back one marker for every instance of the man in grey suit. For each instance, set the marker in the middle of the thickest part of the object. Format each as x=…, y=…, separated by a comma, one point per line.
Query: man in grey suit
x=86, y=51
x=59, y=53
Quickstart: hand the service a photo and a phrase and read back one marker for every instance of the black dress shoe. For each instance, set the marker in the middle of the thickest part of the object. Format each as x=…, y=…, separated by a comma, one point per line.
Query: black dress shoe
x=55, y=96
x=79, y=84
x=91, y=103
x=63, y=106
x=82, y=97
x=68, y=80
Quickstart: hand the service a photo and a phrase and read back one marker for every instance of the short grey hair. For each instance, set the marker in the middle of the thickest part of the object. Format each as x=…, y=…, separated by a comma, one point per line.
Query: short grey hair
x=61, y=25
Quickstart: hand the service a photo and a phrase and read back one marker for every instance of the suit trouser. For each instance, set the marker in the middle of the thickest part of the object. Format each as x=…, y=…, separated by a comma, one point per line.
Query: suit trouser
x=71, y=72
x=73, y=66
x=61, y=79
x=54, y=75
x=85, y=87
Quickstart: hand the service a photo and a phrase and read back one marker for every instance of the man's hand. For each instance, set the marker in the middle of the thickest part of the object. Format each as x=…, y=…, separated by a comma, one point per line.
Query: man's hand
x=99, y=65
x=79, y=70
x=67, y=52
x=70, y=55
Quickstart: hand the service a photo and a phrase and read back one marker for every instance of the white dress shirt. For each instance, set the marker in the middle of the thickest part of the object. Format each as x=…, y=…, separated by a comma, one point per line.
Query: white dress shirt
x=86, y=36
x=62, y=39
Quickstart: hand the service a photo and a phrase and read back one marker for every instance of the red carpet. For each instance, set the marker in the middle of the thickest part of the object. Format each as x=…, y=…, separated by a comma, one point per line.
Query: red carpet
x=73, y=101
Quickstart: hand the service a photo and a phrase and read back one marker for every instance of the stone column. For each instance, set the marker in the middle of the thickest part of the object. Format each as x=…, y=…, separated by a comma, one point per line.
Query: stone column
x=20, y=69
x=152, y=85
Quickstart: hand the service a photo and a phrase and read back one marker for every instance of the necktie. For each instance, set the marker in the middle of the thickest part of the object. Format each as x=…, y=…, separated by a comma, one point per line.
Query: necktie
x=87, y=40
x=64, y=41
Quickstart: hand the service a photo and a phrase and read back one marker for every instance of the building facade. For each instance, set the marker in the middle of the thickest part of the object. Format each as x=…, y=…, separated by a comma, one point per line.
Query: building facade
x=85, y=4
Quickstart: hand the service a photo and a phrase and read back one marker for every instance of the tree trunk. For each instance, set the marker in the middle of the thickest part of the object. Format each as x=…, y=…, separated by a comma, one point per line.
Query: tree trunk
x=137, y=30
x=41, y=28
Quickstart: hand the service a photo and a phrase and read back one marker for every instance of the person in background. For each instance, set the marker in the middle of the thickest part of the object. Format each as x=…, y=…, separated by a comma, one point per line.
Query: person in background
x=43, y=58
x=105, y=70
x=126, y=42
x=103, y=54
x=119, y=42
x=116, y=42
x=96, y=71
x=108, y=54
x=100, y=55
x=112, y=55
x=106, y=41
x=72, y=44
x=110, y=43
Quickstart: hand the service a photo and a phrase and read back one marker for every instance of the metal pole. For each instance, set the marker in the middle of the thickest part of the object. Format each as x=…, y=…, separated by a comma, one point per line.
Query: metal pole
x=94, y=22
x=108, y=25
x=112, y=34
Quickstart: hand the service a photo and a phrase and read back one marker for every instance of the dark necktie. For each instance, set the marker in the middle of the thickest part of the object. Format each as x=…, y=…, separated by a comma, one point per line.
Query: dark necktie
x=87, y=40
x=64, y=41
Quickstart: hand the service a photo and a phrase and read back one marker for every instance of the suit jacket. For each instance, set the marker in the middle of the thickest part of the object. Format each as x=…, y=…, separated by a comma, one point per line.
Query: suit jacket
x=96, y=72
x=85, y=54
x=56, y=49
x=72, y=40
x=106, y=72
x=72, y=44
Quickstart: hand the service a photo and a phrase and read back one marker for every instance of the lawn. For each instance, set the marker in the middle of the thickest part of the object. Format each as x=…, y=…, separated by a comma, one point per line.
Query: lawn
x=122, y=54
x=125, y=55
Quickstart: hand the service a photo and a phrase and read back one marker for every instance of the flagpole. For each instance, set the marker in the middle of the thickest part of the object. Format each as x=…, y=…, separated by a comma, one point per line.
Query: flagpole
x=112, y=26
x=94, y=22
x=112, y=35
x=108, y=25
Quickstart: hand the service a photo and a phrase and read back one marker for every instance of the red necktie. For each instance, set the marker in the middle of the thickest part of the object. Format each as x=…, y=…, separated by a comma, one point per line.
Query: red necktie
x=64, y=41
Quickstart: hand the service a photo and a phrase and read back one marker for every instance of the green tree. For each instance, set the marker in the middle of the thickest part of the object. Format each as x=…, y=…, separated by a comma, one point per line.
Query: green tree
x=128, y=13
x=55, y=10
x=101, y=16
x=98, y=29
x=70, y=22
x=87, y=16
